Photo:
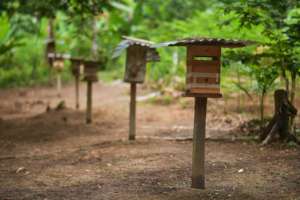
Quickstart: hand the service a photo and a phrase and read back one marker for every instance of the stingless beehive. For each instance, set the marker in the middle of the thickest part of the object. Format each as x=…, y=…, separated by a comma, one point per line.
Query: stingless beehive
x=203, y=62
x=138, y=53
x=91, y=69
x=58, y=64
x=76, y=65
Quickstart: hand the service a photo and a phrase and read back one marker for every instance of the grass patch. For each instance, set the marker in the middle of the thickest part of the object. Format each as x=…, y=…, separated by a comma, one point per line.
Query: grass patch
x=111, y=75
x=161, y=100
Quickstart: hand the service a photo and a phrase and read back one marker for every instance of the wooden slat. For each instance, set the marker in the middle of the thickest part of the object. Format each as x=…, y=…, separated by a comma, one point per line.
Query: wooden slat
x=201, y=63
x=196, y=50
x=203, y=75
x=204, y=90
x=207, y=80
x=209, y=95
x=202, y=85
x=203, y=80
x=203, y=67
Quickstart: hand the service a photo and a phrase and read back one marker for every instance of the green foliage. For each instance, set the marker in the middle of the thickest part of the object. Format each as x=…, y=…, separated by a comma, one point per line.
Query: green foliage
x=79, y=25
x=9, y=40
x=49, y=8
x=280, y=26
x=161, y=100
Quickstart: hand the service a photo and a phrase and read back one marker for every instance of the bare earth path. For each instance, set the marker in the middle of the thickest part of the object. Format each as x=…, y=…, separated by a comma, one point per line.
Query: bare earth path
x=55, y=155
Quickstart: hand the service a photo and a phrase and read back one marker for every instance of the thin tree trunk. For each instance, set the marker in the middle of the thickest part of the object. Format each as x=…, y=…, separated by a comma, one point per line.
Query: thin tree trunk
x=50, y=48
x=292, y=98
x=35, y=59
x=239, y=93
x=285, y=78
x=175, y=59
x=94, y=41
x=293, y=88
x=262, y=107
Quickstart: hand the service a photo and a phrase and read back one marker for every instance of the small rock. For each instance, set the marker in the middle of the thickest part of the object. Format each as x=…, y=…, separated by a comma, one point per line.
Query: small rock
x=60, y=106
x=65, y=119
x=241, y=170
x=22, y=170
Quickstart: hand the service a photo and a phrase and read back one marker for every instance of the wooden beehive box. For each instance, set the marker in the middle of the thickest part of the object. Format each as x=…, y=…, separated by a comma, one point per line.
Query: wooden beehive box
x=203, y=71
x=204, y=63
x=91, y=69
x=76, y=66
x=136, y=60
x=58, y=64
x=138, y=53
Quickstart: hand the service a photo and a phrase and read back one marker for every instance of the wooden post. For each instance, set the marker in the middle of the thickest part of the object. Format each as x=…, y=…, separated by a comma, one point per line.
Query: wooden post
x=89, y=102
x=58, y=83
x=132, y=113
x=77, y=92
x=198, y=171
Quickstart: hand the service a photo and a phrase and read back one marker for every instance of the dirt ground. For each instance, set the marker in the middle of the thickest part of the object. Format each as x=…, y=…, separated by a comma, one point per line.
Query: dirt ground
x=55, y=155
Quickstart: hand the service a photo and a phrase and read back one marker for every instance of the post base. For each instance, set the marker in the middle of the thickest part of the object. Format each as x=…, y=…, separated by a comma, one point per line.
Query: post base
x=198, y=182
x=131, y=137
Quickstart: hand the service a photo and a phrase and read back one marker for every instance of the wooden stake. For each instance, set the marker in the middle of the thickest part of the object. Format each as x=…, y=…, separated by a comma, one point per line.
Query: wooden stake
x=89, y=103
x=198, y=171
x=132, y=113
x=77, y=92
x=58, y=84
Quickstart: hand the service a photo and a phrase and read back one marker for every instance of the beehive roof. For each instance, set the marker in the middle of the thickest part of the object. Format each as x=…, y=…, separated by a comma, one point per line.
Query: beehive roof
x=227, y=43
x=131, y=41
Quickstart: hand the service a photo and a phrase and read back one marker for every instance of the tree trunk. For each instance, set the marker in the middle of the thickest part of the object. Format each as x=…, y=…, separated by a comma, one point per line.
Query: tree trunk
x=175, y=59
x=285, y=78
x=280, y=121
x=94, y=39
x=262, y=107
x=50, y=48
x=239, y=93
x=35, y=59
x=293, y=88
x=292, y=98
